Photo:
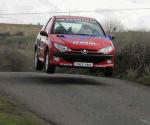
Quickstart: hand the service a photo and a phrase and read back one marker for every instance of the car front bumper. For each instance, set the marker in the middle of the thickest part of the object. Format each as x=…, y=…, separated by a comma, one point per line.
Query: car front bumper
x=70, y=59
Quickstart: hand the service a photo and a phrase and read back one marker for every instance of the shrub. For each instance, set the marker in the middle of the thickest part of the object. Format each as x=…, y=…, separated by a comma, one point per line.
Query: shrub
x=14, y=60
x=133, y=53
x=145, y=79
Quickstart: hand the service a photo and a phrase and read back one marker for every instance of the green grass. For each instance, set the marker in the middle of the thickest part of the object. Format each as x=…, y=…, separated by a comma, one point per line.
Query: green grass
x=28, y=30
x=145, y=80
x=16, y=52
x=13, y=114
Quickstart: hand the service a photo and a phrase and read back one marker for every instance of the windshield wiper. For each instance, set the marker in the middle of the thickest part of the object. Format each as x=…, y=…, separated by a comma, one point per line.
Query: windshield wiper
x=86, y=34
x=60, y=35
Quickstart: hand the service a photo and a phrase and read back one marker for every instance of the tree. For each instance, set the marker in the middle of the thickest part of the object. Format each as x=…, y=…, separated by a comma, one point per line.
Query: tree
x=113, y=25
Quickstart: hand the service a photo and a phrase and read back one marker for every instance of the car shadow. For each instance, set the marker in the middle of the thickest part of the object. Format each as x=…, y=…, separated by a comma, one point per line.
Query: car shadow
x=64, y=80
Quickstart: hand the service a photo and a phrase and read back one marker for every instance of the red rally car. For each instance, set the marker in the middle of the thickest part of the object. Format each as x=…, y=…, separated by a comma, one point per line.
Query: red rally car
x=74, y=41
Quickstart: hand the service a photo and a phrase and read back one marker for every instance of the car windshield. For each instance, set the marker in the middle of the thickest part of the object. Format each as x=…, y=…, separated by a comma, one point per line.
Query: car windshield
x=87, y=27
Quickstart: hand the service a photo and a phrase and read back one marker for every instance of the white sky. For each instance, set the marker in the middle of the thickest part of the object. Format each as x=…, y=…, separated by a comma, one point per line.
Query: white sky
x=138, y=19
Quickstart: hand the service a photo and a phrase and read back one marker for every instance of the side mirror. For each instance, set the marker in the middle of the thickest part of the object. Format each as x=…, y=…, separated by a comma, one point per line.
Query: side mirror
x=111, y=37
x=43, y=33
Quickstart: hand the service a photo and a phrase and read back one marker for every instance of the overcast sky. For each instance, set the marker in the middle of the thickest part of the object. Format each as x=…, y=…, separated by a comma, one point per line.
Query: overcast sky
x=137, y=19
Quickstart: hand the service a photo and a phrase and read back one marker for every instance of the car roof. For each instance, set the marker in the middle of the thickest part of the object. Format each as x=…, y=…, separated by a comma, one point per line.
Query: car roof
x=73, y=17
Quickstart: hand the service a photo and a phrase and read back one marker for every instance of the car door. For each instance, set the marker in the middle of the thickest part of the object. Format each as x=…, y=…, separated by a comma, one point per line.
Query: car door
x=43, y=41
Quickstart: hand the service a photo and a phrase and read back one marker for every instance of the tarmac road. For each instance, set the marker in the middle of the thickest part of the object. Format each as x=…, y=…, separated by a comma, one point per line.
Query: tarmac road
x=66, y=99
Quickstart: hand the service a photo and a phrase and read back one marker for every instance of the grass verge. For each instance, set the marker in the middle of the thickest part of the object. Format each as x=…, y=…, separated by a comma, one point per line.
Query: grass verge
x=13, y=114
x=145, y=80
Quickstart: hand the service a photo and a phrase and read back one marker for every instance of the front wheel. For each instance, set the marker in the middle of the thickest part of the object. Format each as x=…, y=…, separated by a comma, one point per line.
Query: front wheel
x=48, y=68
x=108, y=72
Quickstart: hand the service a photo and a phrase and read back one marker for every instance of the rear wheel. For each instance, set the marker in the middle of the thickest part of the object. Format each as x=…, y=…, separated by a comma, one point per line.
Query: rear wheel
x=48, y=68
x=108, y=72
x=38, y=65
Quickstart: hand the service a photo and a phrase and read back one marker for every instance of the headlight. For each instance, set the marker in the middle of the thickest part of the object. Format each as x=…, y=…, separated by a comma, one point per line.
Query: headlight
x=61, y=48
x=106, y=49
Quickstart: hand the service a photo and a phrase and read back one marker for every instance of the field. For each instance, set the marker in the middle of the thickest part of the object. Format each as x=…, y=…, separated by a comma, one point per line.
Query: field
x=14, y=114
x=16, y=48
x=133, y=52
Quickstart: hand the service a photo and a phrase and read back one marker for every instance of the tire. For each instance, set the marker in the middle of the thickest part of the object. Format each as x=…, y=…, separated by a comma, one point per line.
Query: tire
x=108, y=72
x=38, y=65
x=48, y=68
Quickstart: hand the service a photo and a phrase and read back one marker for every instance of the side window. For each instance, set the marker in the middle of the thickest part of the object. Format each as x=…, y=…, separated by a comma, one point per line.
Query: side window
x=49, y=24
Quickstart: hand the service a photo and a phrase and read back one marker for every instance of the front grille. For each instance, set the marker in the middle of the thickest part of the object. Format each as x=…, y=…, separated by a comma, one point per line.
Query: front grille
x=78, y=57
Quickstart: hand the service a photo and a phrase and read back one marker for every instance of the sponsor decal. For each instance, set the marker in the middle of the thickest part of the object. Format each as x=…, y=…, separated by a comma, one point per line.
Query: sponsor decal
x=103, y=66
x=100, y=66
x=83, y=43
x=63, y=64
x=77, y=19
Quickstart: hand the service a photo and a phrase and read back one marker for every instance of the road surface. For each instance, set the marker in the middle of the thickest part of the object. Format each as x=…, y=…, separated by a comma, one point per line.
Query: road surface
x=66, y=99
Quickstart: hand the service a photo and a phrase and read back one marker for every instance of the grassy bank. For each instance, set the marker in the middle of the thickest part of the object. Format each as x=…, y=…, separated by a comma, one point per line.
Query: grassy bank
x=144, y=80
x=13, y=114
x=133, y=56
x=16, y=46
